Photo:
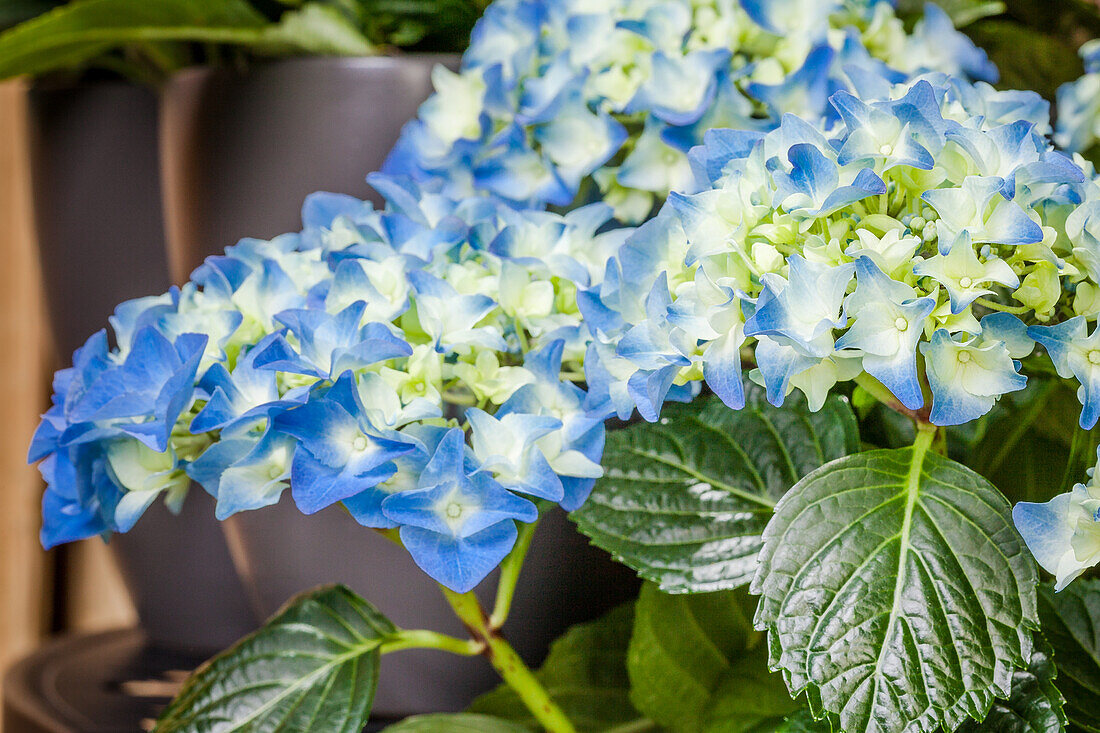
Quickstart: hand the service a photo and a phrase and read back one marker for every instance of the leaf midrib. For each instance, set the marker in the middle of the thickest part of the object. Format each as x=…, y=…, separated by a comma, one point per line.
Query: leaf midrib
x=336, y=661
x=912, y=490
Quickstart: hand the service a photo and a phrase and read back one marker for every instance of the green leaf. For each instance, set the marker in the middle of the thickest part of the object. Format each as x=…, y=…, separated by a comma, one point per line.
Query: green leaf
x=896, y=591
x=312, y=666
x=1035, y=705
x=74, y=34
x=696, y=664
x=585, y=673
x=455, y=723
x=684, y=501
x=1071, y=623
x=316, y=29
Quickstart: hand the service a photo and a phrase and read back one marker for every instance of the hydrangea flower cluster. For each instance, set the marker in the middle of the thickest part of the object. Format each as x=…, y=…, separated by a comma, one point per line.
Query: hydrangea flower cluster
x=560, y=101
x=908, y=242
x=1079, y=104
x=415, y=364
x=924, y=248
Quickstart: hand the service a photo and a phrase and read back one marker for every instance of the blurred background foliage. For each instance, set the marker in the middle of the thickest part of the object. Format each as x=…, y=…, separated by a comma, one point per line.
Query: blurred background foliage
x=1033, y=42
x=146, y=40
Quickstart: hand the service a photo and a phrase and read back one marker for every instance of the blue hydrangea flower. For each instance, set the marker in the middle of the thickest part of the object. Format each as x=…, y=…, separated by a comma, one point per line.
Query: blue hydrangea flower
x=142, y=396
x=1076, y=355
x=963, y=275
x=340, y=452
x=328, y=345
x=888, y=322
x=458, y=524
x=241, y=397
x=967, y=377
x=245, y=473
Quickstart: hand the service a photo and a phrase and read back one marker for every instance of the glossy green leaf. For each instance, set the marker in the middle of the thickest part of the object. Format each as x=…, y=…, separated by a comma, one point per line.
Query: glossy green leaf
x=77, y=32
x=585, y=674
x=312, y=666
x=696, y=664
x=683, y=501
x=1035, y=705
x=1071, y=623
x=896, y=592
x=455, y=723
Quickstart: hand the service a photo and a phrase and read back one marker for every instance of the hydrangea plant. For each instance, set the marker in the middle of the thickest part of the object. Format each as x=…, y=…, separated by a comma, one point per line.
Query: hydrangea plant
x=859, y=300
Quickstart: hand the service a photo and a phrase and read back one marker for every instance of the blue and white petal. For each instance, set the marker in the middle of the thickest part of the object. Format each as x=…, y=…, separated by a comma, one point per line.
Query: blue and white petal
x=888, y=322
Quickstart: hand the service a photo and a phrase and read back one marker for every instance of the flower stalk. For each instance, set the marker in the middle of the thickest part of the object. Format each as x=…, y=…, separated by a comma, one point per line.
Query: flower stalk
x=510, y=569
x=508, y=663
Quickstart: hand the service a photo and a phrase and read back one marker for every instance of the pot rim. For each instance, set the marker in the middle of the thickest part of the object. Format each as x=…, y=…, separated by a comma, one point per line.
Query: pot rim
x=276, y=65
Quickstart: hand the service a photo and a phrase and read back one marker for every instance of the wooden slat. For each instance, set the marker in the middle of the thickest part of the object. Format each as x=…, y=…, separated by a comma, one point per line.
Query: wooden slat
x=25, y=585
x=95, y=596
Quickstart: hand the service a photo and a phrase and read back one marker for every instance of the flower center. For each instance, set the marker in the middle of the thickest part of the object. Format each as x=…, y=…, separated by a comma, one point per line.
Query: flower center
x=275, y=472
x=964, y=356
x=886, y=149
x=901, y=324
x=669, y=158
x=1094, y=357
x=453, y=510
x=965, y=282
x=360, y=443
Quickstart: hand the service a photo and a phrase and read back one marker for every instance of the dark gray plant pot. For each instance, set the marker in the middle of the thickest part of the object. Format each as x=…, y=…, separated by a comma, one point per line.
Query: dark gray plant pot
x=240, y=154
x=97, y=208
x=241, y=151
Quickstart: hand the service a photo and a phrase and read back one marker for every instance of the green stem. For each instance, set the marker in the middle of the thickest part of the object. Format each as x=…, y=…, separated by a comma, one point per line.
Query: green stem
x=521, y=334
x=995, y=306
x=508, y=664
x=1076, y=450
x=926, y=436
x=425, y=639
x=509, y=575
